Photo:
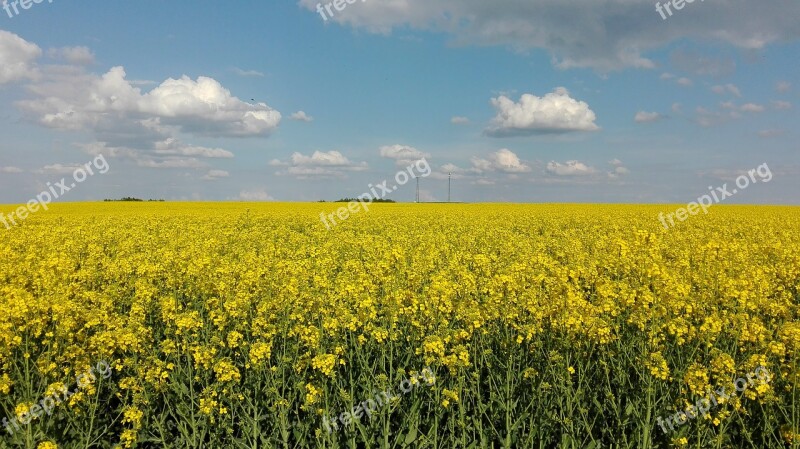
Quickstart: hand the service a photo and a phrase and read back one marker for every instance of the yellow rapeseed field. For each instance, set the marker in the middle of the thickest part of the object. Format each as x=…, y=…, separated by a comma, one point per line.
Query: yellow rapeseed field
x=232, y=325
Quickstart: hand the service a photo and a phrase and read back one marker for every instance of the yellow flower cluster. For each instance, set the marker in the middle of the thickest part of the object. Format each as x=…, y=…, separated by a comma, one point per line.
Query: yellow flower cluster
x=201, y=301
x=658, y=367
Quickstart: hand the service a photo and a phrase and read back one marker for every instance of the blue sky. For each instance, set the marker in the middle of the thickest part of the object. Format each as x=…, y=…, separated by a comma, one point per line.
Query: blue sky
x=522, y=101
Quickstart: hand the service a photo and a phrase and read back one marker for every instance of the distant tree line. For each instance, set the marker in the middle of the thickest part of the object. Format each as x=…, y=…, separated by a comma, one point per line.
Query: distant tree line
x=128, y=198
x=355, y=200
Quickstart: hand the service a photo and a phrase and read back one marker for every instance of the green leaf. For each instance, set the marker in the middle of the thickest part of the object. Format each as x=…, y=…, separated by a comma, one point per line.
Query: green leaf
x=411, y=435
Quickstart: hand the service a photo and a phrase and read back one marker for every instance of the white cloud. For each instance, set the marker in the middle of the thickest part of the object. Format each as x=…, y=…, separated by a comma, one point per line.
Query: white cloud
x=556, y=112
x=170, y=162
x=248, y=73
x=191, y=104
x=301, y=116
x=72, y=55
x=727, y=88
x=770, y=133
x=707, y=118
x=605, y=36
x=453, y=171
x=570, y=168
x=126, y=120
x=752, y=107
x=403, y=155
x=319, y=158
x=330, y=164
x=682, y=81
x=457, y=120
x=80, y=101
x=173, y=147
x=783, y=86
x=215, y=174
x=138, y=83
x=617, y=169
x=10, y=169
x=647, y=117
x=503, y=160
x=278, y=163
x=58, y=169
x=255, y=195
x=781, y=105
x=17, y=58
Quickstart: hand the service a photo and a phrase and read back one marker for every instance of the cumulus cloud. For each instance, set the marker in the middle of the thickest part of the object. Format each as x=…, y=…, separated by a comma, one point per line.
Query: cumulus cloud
x=570, y=168
x=17, y=58
x=781, y=105
x=680, y=81
x=301, y=116
x=617, y=169
x=728, y=111
x=166, y=154
x=752, y=107
x=403, y=155
x=325, y=164
x=453, y=171
x=173, y=147
x=58, y=169
x=319, y=158
x=215, y=174
x=204, y=106
x=457, y=120
x=170, y=162
x=255, y=195
x=503, y=160
x=647, y=117
x=126, y=119
x=727, y=88
x=72, y=55
x=10, y=169
x=605, y=36
x=783, y=86
x=82, y=101
x=555, y=112
x=708, y=118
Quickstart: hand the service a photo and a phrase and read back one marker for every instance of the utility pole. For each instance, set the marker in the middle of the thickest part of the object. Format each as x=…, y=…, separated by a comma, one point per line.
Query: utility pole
x=449, y=175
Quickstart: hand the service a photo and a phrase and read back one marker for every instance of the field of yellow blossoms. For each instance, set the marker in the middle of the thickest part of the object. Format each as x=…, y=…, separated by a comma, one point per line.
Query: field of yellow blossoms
x=233, y=325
